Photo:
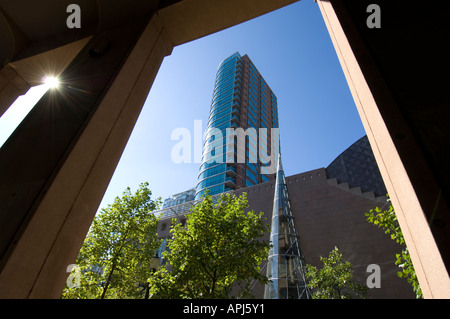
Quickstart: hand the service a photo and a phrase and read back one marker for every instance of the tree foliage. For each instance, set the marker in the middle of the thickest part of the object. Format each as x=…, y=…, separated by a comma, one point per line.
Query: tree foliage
x=114, y=261
x=387, y=220
x=217, y=250
x=335, y=279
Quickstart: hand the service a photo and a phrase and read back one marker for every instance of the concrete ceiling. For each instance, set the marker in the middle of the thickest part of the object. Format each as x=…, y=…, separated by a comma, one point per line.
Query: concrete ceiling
x=29, y=28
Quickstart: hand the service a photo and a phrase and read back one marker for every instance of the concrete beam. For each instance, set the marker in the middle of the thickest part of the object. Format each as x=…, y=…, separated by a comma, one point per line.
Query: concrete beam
x=188, y=20
x=12, y=85
x=62, y=211
x=380, y=116
x=18, y=76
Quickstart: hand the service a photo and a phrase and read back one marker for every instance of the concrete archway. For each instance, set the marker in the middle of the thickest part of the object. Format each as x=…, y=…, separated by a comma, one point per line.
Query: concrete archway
x=52, y=177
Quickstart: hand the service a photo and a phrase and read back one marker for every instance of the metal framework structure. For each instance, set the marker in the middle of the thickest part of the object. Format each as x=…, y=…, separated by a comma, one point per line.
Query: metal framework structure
x=285, y=267
x=183, y=208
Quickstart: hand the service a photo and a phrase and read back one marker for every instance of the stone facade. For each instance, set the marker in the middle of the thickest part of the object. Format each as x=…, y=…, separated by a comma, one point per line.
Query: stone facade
x=329, y=214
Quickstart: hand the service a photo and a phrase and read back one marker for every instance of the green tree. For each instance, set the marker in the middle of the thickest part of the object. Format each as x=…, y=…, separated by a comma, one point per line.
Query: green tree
x=114, y=261
x=217, y=250
x=335, y=279
x=387, y=220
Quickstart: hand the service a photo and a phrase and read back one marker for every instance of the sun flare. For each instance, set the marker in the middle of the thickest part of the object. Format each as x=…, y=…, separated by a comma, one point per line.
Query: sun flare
x=51, y=82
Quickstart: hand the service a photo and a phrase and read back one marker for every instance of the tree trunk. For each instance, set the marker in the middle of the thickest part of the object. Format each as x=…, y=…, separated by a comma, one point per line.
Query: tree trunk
x=213, y=286
x=147, y=291
x=114, y=261
x=108, y=281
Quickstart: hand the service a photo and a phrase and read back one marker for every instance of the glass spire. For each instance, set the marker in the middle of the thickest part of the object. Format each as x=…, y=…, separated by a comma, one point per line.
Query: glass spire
x=285, y=267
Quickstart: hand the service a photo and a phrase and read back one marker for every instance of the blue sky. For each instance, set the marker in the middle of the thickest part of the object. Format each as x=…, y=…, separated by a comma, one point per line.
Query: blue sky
x=293, y=51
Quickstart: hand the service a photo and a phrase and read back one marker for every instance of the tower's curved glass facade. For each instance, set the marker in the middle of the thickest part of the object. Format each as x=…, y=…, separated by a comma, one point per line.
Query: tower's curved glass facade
x=241, y=99
x=224, y=113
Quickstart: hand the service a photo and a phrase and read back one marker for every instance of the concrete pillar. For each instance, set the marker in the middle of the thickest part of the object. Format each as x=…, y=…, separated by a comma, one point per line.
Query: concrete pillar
x=411, y=185
x=61, y=158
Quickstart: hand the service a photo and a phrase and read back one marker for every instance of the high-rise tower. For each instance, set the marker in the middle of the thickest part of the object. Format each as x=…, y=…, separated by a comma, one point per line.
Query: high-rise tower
x=242, y=140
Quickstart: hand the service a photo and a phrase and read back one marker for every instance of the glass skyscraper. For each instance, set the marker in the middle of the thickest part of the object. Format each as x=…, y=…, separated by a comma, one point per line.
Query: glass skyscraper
x=242, y=140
